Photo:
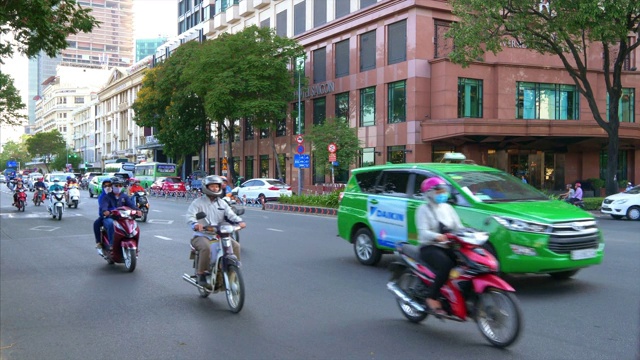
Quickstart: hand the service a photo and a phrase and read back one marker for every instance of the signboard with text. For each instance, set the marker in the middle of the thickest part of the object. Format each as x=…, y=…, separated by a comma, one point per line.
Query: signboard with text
x=301, y=161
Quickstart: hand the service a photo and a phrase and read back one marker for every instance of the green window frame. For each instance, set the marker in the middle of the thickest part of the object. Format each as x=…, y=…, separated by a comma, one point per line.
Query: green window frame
x=397, y=154
x=397, y=102
x=319, y=110
x=368, y=106
x=470, y=94
x=248, y=167
x=368, y=157
x=547, y=101
x=264, y=166
x=342, y=106
x=626, y=106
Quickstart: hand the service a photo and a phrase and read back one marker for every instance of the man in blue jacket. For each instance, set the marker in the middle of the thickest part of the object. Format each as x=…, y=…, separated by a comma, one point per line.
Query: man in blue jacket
x=112, y=200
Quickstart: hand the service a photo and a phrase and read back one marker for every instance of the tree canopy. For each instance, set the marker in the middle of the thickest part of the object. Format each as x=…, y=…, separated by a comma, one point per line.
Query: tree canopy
x=338, y=132
x=36, y=25
x=47, y=145
x=567, y=29
x=12, y=150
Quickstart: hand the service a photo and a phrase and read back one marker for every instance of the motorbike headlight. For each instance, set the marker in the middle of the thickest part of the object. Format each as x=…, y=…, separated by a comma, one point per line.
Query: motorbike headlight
x=521, y=225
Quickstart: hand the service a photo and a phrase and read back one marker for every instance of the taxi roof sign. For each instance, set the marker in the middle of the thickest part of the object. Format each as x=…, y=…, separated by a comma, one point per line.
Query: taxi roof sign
x=453, y=158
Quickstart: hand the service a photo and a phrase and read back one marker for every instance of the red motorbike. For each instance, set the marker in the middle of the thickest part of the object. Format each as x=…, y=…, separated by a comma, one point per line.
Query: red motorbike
x=473, y=290
x=125, y=238
x=21, y=199
x=39, y=196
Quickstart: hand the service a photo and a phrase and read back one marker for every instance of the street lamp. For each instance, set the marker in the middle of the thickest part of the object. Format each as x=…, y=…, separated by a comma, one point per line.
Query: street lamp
x=299, y=64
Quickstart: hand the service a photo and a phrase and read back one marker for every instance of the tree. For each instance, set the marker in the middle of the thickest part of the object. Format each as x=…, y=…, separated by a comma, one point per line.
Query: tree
x=63, y=157
x=36, y=25
x=247, y=78
x=338, y=132
x=568, y=29
x=12, y=150
x=167, y=103
x=46, y=145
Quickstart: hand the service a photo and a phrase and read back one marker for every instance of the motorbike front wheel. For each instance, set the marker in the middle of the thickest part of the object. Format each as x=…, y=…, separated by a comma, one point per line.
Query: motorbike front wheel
x=235, y=289
x=21, y=205
x=144, y=215
x=408, y=283
x=499, y=317
x=130, y=259
x=59, y=213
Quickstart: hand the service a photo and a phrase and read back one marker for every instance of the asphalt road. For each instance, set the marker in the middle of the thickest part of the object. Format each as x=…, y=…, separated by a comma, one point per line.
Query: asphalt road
x=307, y=297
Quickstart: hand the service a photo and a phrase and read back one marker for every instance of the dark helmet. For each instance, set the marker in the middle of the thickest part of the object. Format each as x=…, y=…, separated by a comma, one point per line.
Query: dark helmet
x=106, y=181
x=212, y=179
x=68, y=178
x=117, y=181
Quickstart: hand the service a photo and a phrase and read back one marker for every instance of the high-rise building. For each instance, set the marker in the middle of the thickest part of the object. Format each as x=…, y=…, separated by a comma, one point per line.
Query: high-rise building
x=146, y=47
x=110, y=44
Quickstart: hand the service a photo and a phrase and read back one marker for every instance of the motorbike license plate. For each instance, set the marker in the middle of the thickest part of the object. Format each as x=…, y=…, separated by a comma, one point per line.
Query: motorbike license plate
x=583, y=254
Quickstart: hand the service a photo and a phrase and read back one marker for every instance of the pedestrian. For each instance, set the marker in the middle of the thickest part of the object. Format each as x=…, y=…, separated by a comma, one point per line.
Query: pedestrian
x=524, y=179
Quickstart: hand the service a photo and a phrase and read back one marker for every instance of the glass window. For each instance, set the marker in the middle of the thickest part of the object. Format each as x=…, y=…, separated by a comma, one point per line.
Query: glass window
x=318, y=170
x=248, y=130
x=368, y=157
x=282, y=159
x=319, y=12
x=299, y=18
x=265, y=23
x=547, y=101
x=626, y=106
x=469, y=98
x=397, y=110
x=368, y=51
x=298, y=122
x=281, y=23
x=342, y=106
x=248, y=167
x=396, y=154
x=397, y=42
x=367, y=181
x=365, y=3
x=212, y=166
x=342, y=8
x=320, y=65
x=621, y=171
x=281, y=127
x=264, y=133
x=236, y=165
x=264, y=166
x=319, y=110
x=368, y=106
x=394, y=183
x=342, y=58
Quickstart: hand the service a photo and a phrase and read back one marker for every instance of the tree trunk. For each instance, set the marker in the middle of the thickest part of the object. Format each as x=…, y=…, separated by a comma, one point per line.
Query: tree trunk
x=612, y=165
x=275, y=154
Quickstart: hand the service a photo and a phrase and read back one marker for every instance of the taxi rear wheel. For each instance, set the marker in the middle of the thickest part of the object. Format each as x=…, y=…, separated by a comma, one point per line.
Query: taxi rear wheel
x=365, y=247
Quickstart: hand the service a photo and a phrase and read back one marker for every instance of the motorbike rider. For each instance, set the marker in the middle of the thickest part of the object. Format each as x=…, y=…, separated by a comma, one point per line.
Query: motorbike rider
x=19, y=185
x=67, y=186
x=107, y=187
x=39, y=184
x=135, y=186
x=433, y=220
x=55, y=186
x=218, y=211
x=567, y=195
x=112, y=200
x=577, y=197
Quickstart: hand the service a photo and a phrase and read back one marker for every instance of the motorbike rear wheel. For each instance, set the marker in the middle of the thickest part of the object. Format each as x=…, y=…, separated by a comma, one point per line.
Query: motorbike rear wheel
x=75, y=204
x=499, y=317
x=408, y=282
x=235, y=289
x=144, y=215
x=130, y=259
x=59, y=213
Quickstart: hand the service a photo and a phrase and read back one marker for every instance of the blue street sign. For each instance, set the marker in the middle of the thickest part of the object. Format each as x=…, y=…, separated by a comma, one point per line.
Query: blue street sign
x=335, y=163
x=300, y=149
x=301, y=161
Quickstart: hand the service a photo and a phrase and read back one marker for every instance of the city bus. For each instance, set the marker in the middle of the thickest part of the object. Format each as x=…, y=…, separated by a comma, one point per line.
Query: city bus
x=149, y=172
x=118, y=166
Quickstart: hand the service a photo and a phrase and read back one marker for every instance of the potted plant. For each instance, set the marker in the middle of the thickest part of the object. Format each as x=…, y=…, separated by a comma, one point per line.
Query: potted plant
x=598, y=186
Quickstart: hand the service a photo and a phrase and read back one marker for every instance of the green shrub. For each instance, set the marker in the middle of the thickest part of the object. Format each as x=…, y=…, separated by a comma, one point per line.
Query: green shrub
x=622, y=184
x=596, y=183
x=592, y=203
x=325, y=200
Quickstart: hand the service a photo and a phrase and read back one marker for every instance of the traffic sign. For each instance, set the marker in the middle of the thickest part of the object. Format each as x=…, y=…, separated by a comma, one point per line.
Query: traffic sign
x=300, y=149
x=332, y=148
x=335, y=163
x=299, y=139
x=332, y=157
x=301, y=161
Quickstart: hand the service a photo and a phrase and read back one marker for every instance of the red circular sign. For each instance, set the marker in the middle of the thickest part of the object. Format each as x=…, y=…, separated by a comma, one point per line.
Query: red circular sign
x=332, y=148
x=299, y=139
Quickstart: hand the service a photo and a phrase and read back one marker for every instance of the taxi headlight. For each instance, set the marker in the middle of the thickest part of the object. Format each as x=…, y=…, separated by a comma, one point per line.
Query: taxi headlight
x=523, y=250
x=521, y=225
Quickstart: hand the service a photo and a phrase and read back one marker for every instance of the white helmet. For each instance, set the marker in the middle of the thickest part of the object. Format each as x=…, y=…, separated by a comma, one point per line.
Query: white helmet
x=212, y=179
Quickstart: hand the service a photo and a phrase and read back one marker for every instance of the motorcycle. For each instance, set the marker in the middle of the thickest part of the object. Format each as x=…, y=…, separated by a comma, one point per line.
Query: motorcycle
x=73, y=196
x=21, y=201
x=473, y=290
x=125, y=239
x=56, y=204
x=140, y=197
x=224, y=271
x=39, y=196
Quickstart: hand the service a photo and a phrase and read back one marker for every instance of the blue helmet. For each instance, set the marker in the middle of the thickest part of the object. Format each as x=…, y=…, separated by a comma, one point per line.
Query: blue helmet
x=68, y=178
x=105, y=181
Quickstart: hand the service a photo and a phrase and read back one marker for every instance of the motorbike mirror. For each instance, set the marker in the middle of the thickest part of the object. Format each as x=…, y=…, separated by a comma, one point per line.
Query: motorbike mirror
x=239, y=211
x=201, y=215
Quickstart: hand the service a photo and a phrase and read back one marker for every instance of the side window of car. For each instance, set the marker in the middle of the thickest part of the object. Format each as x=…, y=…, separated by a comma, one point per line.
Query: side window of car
x=250, y=183
x=367, y=181
x=394, y=183
x=415, y=189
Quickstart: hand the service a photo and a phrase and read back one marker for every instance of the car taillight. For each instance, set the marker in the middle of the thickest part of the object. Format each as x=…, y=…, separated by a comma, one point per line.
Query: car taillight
x=274, y=188
x=289, y=188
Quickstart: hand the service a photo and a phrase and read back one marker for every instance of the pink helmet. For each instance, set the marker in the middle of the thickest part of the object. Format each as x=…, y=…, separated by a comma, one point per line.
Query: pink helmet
x=432, y=183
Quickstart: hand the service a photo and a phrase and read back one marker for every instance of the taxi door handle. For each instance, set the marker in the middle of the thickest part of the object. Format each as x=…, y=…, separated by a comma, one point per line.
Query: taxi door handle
x=374, y=201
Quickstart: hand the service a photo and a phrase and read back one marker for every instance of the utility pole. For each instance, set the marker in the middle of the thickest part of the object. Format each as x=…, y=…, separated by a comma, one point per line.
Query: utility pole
x=298, y=65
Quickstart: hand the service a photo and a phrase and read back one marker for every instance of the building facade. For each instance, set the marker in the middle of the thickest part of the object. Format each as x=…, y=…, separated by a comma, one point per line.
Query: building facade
x=382, y=65
x=146, y=47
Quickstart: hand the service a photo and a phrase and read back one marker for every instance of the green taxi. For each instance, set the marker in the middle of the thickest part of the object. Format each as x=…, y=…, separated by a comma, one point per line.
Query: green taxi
x=529, y=233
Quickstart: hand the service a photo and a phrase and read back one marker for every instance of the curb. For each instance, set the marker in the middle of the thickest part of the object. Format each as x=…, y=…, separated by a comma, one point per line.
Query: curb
x=302, y=209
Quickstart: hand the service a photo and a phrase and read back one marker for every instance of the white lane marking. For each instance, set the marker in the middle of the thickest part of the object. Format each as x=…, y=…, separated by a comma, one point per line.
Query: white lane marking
x=160, y=221
x=45, y=228
x=162, y=237
x=156, y=210
x=278, y=230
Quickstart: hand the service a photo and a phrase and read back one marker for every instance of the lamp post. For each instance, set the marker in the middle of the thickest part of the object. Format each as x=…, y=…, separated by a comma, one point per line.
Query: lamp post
x=299, y=64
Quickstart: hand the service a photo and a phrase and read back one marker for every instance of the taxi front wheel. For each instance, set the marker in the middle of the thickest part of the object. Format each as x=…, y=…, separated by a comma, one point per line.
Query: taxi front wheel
x=365, y=248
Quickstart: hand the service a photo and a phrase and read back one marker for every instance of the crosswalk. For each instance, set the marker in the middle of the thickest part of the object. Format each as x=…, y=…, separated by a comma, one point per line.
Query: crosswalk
x=33, y=215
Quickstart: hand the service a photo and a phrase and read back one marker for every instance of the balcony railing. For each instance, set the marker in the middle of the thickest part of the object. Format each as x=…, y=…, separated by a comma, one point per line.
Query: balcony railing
x=259, y=4
x=245, y=7
x=233, y=14
x=220, y=21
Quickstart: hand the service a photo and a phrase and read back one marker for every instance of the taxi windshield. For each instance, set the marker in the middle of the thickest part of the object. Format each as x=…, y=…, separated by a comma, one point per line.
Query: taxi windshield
x=495, y=187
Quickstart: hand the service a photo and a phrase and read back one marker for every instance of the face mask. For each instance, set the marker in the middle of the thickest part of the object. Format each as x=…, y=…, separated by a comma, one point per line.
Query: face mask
x=116, y=190
x=441, y=198
x=107, y=189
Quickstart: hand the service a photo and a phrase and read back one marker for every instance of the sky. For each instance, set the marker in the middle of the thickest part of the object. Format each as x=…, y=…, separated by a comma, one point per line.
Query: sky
x=151, y=19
